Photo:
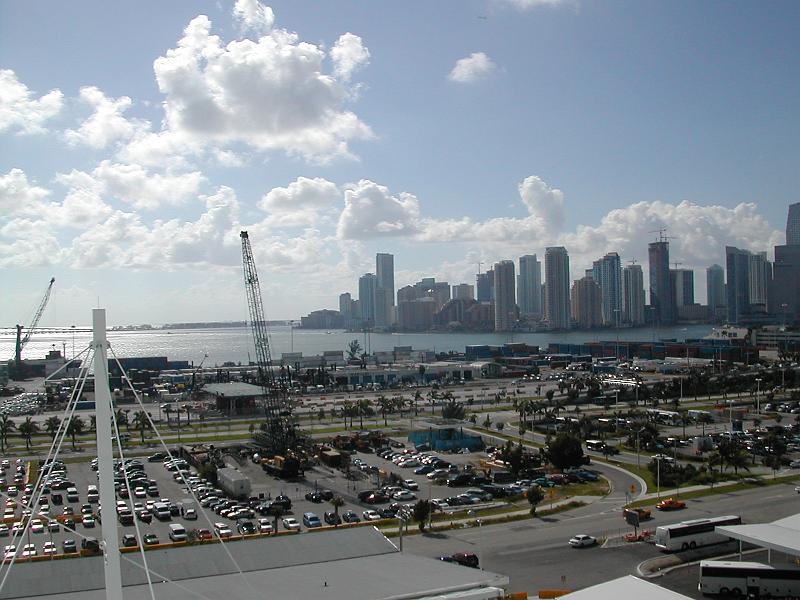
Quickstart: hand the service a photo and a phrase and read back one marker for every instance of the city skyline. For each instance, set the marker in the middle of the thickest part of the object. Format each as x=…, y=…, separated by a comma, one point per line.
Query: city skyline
x=128, y=179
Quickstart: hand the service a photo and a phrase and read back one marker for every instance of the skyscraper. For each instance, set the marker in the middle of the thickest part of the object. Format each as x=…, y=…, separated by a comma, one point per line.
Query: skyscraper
x=607, y=272
x=793, y=225
x=715, y=291
x=485, y=286
x=556, y=269
x=760, y=275
x=586, y=303
x=504, y=303
x=661, y=298
x=367, y=284
x=784, y=297
x=633, y=295
x=384, y=297
x=463, y=291
x=529, y=285
x=737, y=267
x=682, y=281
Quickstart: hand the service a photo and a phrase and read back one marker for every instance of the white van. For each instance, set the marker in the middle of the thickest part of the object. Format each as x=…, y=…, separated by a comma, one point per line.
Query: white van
x=177, y=533
x=72, y=494
x=92, y=494
x=161, y=511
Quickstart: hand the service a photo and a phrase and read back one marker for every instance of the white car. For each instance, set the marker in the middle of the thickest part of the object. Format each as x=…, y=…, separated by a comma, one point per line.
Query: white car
x=264, y=526
x=290, y=523
x=582, y=541
x=53, y=526
x=222, y=530
x=9, y=552
x=403, y=496
x=370, y=515
x=29, y=550
x=88, y=521
x=49, y=548
x=410, y=484
x=4, y=530
x=795, y=464
x=37, y=526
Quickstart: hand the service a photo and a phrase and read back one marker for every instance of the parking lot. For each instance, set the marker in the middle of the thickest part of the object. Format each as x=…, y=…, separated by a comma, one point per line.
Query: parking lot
x=360, y=491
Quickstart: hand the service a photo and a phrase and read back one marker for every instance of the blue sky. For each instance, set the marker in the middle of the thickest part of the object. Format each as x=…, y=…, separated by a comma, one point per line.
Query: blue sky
x=136, y=140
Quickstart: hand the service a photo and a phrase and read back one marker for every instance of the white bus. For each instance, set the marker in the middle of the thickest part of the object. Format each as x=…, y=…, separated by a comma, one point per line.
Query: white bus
x=692, y=534
x=595, y=445
x=745, y=578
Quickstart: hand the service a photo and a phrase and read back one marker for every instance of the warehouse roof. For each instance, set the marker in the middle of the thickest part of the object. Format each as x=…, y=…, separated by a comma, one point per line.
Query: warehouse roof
x=626, y=588
x=233, y=389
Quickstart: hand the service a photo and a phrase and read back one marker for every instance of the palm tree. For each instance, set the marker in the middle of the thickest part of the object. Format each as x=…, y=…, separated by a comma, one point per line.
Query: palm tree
x=399, y=404
x=347, y=411
x=26, y=431
x=75, y=428
x=337, y=502
x=6, y=426
x=364, y=408
x=534, y=496
x=141, y=421
x=52, y=425
x=121, y=417
x=385, y=405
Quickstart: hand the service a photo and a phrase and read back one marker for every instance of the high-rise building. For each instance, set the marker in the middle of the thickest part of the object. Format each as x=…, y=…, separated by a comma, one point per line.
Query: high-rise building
x=556, y=273
x=784, y=296
x=607, y=272
x=345, y=304
x=529, y=284
x=463, y=291
x=633, y=295
x=485, y=286
x=793, y=225
x=760, y=275
x=682, y=281
x=504, y=302
x=367, y=284
x=661, y=298
x=737, y=267
x=715, y=287
x=384, y=271
x=587, y=303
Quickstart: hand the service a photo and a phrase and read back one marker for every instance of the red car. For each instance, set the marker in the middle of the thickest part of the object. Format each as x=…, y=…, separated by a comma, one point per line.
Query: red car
x=670, y=504
x=203, y=535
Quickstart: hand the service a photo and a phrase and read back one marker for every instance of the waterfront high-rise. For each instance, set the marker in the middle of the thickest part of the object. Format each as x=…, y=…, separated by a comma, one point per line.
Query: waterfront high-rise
x=586, y=303
x=529, y=284
x=504, y=303
x=463, y=291
x=633, y=295
x=784, y=297
x=485, y=286
x=367, y=285
x=384, y=273
x=793, y=225
x=715, y=292
x=737, y=267
x=607, y=272
x=661, y=297
x=682, y=281
x=760, y=274
x=556, y=273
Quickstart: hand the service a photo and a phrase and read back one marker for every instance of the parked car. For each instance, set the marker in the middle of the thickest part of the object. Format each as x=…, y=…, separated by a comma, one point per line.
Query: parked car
x=290, y=524
x=69, y=546
x=350, y=517
x=265, y=526
x=128, y=540
x=331, y=518
x=370, y=515
x=582, y=541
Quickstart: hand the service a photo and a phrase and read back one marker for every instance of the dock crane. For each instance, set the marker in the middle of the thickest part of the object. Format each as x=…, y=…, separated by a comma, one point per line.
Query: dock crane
x=277, y=433
x=23, y=341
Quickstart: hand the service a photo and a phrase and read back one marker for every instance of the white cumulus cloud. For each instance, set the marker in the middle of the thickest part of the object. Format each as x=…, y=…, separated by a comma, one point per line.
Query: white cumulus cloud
x=271, y=94
x=348, y=54
x=299, y=203
x=371, y=211
x=20, y=110
x=18, y=196
x=473, y=68
x=107, y=123
x=253, y=15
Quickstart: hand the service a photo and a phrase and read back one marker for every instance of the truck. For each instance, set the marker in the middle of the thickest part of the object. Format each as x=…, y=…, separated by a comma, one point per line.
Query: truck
x=285, y=467
x=234, y=482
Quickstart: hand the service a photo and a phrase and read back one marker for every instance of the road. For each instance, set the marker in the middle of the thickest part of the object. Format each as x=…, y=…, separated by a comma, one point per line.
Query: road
x=534, y=554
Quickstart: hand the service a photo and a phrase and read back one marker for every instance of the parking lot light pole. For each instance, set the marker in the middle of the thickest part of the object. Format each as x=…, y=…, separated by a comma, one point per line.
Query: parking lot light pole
x=638, y=458
x=758, y=395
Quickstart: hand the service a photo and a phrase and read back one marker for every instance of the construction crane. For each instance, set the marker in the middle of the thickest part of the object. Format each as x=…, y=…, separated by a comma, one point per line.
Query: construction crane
x=23, y=341
x=277, y=434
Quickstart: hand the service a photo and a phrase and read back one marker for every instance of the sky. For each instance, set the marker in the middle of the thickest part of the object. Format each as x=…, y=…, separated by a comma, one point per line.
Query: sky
x=138, y=139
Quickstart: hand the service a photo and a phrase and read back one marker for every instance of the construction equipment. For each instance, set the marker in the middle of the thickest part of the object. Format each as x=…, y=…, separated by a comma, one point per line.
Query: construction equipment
x=277, y=434
x=19, y=371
